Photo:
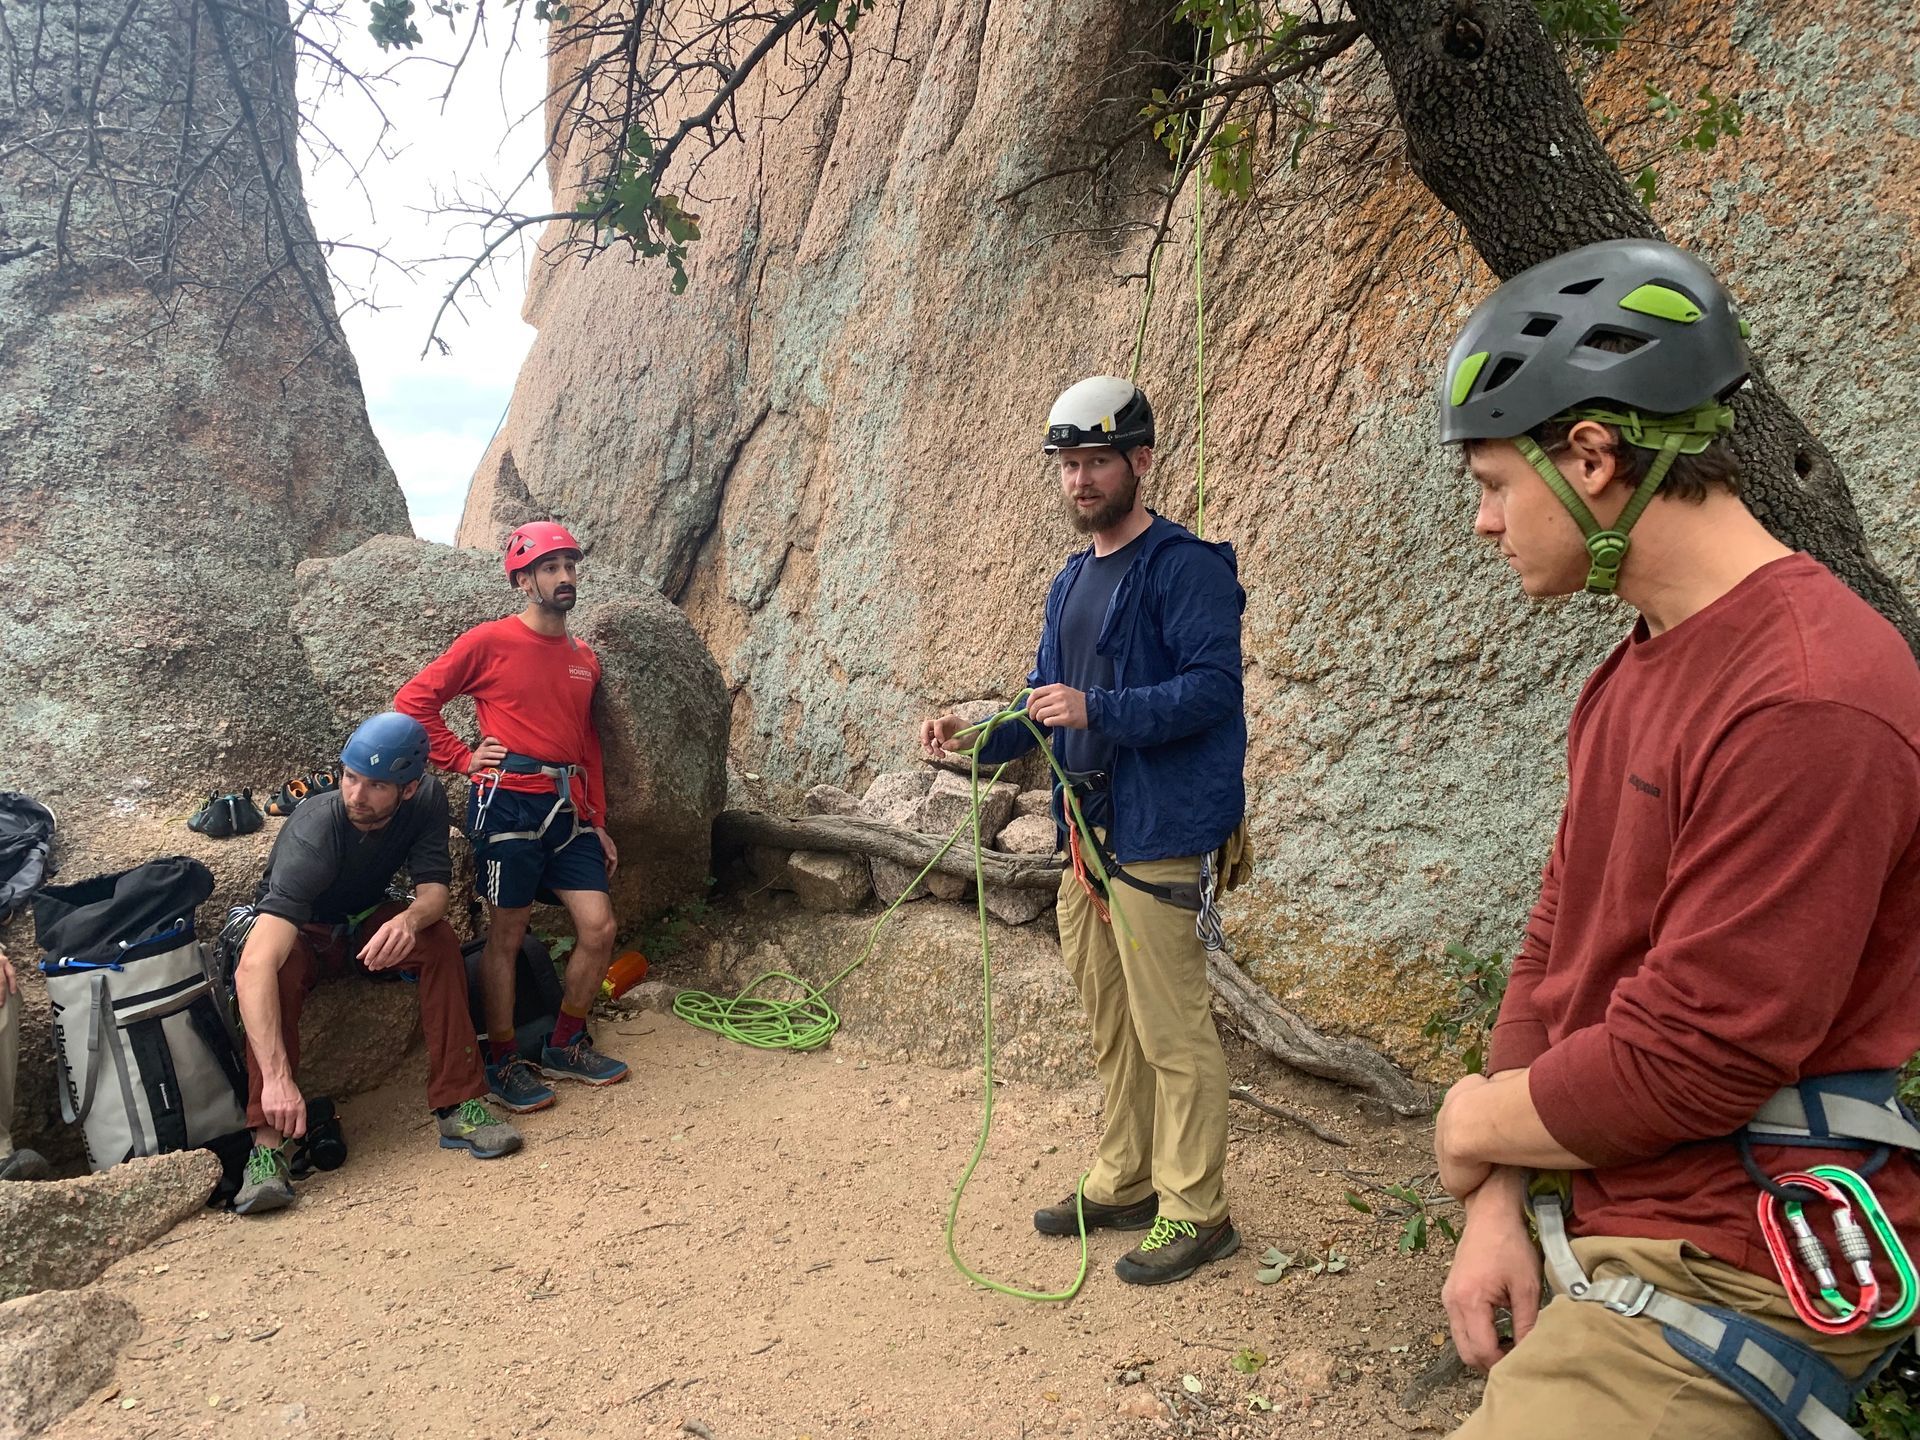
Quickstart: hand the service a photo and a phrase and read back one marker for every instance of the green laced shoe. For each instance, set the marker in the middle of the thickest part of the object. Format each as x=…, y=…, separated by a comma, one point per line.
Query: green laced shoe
x=474, y=1128
x=268, y=1184
x=1174, y=1249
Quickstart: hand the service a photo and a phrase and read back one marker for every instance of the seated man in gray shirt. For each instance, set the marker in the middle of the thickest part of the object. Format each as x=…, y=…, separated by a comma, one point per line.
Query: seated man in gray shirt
x=322, y=903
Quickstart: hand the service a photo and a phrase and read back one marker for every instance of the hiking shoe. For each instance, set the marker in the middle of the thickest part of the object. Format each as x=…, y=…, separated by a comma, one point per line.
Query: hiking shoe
x=1061, y=1219
x=473, y=1127
x=268, y=1184
x=25, y=1165
x=580, y=1061
x=1174, y=1249
x=516, y=1087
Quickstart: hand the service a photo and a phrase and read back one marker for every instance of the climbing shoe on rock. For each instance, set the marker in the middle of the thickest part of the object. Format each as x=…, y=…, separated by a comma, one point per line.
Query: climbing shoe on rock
x=268, y=1184
x=580, y=1061
x=471, y=1126
x=25, y=1165
x=226, y=815
x=1062, y=1219
x=1174, y=1249
x=515, y=1086
x=291, y=794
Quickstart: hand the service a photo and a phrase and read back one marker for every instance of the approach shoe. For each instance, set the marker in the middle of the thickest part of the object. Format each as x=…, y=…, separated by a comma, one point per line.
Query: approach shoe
x=580, y=1061
x=25, y=1165
x=472, y=1127
x=268, y=1184
x=1174, y=1249
x=513, y=1083
x=1062, y=1219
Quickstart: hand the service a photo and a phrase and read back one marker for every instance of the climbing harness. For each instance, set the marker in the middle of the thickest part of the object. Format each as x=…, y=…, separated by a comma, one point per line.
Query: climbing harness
x=1198, y=897
x=487, y=784
x=808, y=1021
x=1798, y=1389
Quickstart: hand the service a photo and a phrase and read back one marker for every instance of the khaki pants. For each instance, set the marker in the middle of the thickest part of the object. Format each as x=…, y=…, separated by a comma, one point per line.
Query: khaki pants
x=1146, y=993
x=1584, y=1371
x=9, y=1066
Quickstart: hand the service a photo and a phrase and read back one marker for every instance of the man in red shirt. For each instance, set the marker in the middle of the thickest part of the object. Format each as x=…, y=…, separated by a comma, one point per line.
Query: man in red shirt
x=1732, y=903
x=537, y=814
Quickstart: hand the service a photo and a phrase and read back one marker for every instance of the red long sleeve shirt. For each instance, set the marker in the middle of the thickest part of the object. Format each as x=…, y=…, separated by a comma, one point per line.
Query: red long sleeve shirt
x=531, y=692
x=1732, y=904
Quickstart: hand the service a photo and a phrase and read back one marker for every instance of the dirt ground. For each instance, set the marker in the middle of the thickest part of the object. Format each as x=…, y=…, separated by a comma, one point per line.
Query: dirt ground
x=741, y=1244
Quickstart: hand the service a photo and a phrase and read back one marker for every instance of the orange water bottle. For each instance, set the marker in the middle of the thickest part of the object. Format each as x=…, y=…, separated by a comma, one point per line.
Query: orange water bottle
x=629, y=968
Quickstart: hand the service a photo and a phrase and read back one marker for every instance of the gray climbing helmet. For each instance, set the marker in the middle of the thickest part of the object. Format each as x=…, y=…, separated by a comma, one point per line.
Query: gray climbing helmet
x=1636, y=334
x=1529, y=351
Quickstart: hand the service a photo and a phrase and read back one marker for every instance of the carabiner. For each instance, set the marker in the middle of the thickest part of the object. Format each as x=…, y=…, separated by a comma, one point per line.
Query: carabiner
x=1806, y=1252
x=1899, y=1309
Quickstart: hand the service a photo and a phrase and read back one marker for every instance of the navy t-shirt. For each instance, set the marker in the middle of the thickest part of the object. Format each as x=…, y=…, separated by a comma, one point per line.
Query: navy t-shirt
x=1082, y=615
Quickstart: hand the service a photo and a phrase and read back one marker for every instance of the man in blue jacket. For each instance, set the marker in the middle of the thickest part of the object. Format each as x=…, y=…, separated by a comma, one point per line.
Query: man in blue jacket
x=1138, y=679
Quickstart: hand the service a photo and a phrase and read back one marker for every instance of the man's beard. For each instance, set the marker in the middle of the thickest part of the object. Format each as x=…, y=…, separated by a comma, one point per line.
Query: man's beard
x=1089, y=522
x=561, y=600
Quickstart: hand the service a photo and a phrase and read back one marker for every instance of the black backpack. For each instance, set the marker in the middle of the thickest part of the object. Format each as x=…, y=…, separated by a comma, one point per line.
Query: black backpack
x=536, y=992
x=26, y=845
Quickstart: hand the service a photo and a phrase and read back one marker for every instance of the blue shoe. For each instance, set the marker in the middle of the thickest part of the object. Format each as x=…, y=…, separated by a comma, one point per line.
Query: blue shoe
x=580, y=1061
x=516, y=1087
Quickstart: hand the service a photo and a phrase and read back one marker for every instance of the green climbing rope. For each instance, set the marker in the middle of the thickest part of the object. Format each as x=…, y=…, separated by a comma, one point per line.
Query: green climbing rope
x=807, y=1021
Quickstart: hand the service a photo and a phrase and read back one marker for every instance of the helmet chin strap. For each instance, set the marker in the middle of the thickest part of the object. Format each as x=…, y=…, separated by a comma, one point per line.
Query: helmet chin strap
x=1672, y=435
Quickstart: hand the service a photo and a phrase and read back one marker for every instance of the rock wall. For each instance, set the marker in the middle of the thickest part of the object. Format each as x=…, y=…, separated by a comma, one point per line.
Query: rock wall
x=167, y=455
x=826, y=449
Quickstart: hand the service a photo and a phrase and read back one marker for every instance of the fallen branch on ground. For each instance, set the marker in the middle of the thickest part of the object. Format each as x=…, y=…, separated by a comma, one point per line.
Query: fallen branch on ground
x=1280, y=1112
x=857, y=835
x=1290, y=1040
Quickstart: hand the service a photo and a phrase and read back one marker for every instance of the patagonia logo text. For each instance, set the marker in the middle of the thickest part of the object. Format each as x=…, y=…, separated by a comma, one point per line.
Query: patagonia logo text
x=1645, y=787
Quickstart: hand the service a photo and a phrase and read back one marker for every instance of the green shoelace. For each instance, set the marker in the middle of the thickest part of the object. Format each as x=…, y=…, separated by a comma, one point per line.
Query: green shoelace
x=267, y=1163
x=473, y=1115
x=1165, y=1232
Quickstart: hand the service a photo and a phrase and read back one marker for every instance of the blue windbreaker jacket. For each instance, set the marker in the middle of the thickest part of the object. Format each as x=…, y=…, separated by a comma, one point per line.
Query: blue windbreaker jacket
x=1175, y=712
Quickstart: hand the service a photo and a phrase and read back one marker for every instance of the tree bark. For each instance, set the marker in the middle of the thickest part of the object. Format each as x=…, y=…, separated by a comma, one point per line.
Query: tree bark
x=1497, y=132
x=860, y=836
x=1290, y=1040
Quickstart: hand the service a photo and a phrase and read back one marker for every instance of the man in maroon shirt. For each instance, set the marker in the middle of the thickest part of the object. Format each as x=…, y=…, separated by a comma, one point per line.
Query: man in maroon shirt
x=537, y=813
x=1732, y=903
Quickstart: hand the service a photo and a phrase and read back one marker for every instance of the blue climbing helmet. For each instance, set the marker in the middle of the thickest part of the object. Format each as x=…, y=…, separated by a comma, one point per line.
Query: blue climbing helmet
x=389, y=746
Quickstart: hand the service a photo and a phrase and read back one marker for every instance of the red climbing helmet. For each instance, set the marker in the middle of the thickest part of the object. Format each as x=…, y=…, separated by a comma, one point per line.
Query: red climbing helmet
x=534, y=541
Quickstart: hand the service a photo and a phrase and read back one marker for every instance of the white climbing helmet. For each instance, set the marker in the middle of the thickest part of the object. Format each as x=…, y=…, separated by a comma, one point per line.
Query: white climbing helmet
x=1103, y=410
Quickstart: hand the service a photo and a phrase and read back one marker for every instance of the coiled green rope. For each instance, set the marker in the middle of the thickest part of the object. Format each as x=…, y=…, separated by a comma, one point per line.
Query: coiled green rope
x=808, y=1021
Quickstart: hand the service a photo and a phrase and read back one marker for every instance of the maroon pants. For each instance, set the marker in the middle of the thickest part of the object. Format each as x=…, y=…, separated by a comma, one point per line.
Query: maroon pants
x=454, y=1072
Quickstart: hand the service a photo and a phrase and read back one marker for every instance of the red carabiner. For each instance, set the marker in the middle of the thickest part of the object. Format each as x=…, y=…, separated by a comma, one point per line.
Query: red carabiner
x=1802, y=1251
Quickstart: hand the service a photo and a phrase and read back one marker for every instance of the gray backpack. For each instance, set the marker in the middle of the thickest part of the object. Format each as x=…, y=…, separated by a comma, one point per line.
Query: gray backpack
x=147, y=1057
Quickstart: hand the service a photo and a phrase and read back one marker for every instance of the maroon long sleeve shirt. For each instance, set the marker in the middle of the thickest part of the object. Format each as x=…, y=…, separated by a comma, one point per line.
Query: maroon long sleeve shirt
x=1732, y=904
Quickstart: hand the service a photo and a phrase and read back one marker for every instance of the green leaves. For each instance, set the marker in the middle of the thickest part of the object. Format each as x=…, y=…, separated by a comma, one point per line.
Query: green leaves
x=554, y=14
x=1248, y=1361
x=1479, y=985
x=1596, y=24
x=391, y=24
x=1714, y=117
x=629, y=205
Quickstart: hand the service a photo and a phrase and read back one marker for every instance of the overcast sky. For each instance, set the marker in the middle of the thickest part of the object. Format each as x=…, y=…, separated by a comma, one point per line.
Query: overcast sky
x=434, y=414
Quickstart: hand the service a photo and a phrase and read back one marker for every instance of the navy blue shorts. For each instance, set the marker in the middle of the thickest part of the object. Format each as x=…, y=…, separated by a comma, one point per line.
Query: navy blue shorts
x=512, y=874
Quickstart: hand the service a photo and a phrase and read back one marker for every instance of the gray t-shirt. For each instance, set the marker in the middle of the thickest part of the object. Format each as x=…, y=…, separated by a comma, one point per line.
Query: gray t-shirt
x=322, y=869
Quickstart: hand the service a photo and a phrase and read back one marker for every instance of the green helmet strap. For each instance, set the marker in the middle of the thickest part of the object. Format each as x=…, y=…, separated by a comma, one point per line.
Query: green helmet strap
x=1687, y=433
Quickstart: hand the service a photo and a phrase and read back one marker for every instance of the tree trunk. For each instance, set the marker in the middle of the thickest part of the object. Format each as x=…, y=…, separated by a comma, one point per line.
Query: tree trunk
x=1497, y=132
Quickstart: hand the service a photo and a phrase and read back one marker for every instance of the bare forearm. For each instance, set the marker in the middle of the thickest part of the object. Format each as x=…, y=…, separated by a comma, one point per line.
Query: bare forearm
x=429, y=907
x=1496, y=1124
x=257, y=984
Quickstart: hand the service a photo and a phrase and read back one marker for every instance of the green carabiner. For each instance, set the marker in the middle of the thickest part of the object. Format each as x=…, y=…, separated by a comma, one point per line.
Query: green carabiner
x=1855, y=1184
